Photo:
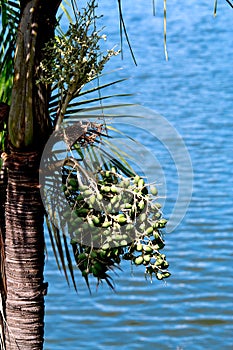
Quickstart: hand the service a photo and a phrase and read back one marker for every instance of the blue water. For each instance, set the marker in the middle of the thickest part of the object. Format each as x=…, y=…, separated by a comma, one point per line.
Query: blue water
x=194, y=92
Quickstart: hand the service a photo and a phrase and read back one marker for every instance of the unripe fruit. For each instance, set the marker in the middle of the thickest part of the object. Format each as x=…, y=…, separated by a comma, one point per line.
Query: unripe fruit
x=106, y=224
x=141, y=183
x=141, y=204
x=138, y=260
x=83, y=188
x=147, y=258
x=149, y=230
x=159, y=276
x=113, y=189
x=136, y=179
x=96, y=220
x=139, y=247
x=106, y=246
x=99, y=196
x=147, y=249
x=154, y=191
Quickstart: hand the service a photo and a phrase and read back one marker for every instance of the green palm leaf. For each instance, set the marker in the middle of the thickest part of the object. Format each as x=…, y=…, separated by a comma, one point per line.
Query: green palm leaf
x=10, y=13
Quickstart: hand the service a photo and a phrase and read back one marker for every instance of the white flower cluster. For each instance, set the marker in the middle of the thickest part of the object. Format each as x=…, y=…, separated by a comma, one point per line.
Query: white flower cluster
x=72, y=60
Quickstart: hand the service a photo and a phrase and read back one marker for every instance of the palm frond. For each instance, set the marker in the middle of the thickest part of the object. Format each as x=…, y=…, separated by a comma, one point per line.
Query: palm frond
x=60, y=250
x=10, y=14
x=124, y=30
x=215, y=7
x=165, y=29
x=228, y=1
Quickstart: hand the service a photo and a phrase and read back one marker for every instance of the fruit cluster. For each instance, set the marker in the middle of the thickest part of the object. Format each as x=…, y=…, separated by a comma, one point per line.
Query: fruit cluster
x=117, y=217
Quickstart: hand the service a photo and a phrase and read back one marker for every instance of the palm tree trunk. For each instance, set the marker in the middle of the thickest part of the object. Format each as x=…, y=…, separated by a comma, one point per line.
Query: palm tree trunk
x=29, y=127
x=3, y=184
x=24, y=254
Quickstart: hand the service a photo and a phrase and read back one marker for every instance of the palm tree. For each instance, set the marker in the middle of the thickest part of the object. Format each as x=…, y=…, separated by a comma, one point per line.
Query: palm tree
x=40, y=98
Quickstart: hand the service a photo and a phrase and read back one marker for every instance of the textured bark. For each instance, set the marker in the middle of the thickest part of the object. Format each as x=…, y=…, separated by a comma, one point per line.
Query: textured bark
x=4, y=113
x=29, y=128
x=3, y=184
x=24, y=254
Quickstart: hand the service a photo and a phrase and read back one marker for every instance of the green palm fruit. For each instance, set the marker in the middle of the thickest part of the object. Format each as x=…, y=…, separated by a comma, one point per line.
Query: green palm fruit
x=136, y=179
x=82, y=212
x=147, y=249
x=142, y=217
x=113, y=189
x=105, y=246
x=83, y=188
x=106, y=189
x=123, y=243
x=102, y=254
x=141, y=204
x=141, y=183
x=153, y=191
x=99, y=196
x=122, y=220
x=159, y=275
x=73, y=183
x=92, y=199
x=79, y=198
x=106, y=224
x=139, y=247
x=157, y=216
x=166, y=274
x=159, y=261
x=82, y=256
x=118, y=237
x=138, y=260
x=93, y=254
x=87, y=193
x=156, y=234
x=149, y=230
x=96, y=220
x=114, y=199
x=91, y=224
x=157, y=206
x=147, y=258
x=161, y=223
x=127, y=206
